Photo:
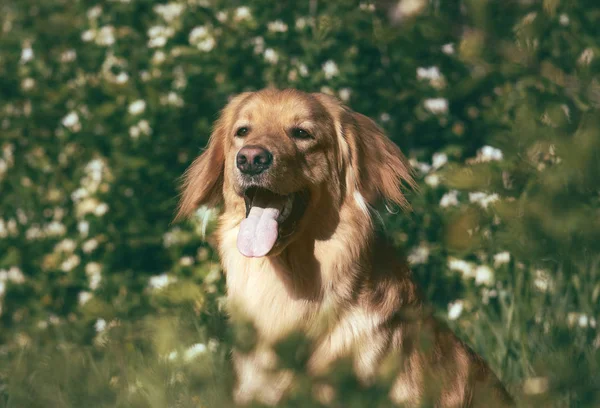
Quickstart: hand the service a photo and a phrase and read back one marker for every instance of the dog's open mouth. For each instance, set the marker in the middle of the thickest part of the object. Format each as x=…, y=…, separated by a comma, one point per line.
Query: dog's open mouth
x=269, y=217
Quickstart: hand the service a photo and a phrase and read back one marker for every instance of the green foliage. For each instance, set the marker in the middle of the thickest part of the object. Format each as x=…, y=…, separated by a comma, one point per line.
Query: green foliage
x=103, y=302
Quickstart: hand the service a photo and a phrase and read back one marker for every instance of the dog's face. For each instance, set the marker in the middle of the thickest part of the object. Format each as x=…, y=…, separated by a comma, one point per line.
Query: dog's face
x=279, y=158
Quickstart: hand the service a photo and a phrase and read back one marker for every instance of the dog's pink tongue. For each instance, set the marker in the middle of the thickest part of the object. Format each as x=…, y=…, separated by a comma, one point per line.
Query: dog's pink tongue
x=258, y=232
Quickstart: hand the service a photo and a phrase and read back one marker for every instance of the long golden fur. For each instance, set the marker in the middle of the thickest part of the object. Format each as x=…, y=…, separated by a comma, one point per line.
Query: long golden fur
x=332, y=276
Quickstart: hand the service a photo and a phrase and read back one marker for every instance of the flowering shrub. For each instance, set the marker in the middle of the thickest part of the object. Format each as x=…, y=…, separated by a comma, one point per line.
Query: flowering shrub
x=104, y=302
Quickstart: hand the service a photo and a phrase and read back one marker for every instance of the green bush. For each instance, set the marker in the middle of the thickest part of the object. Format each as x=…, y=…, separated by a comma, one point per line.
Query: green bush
x=105, y=302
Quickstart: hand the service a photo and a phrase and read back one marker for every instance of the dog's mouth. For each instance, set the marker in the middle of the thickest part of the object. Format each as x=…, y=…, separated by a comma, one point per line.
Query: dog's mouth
x=270, y=217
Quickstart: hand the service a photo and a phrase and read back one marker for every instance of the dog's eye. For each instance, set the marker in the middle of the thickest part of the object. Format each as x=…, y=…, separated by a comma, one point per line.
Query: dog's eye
x=299, y=133
x=243, y=131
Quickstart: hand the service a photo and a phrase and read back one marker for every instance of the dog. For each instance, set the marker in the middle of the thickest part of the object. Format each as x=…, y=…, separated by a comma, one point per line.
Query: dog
x=298, y=177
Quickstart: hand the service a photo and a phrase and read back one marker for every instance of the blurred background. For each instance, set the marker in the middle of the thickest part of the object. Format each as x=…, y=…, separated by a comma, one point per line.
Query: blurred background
x=105, y=303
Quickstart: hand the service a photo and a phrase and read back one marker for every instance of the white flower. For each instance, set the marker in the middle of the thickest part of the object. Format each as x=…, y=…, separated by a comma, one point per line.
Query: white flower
x=134, y=132
x=489, y=153
x=171, y=238
x=277, y=26
x=542, y=281
x=484, y=275
x=345, y=94
x=563, y=20
x=160, y=281
x=449, y=199
x=259, y=45
x=303, y=71
x=26, y=55
x=15, y=275
x=95, y=281
x=88, y=35
x=455, y=309
x=419, y=255
x=100, y=325
x=464, y=267
x=101, y=209
x=271, y=55
x=106, y=36
x=408, y=8
x=301, y=23
x=436, y=105
x=330, y=69
x=501, y=258
x=94, y=168
x=242, y=13
x=170, y=11
x=327, y=90
x=86, y=206
x=122, y=78
x=71, y=121
x=159, y=36
x=84, y=297
x=367, y=6
x=197, y=34
x=89, y=246
x=486, y=294
x=385, y=117
x=28, y=84
x=83, y=227
x=34, y=232
x=142, y=127
x=448, y=49
x=430, y=73
x=55, y=228
x=432, y=180
x=66, y=245
x=222, y=16
x=137, y=107
x=586, y=56
x=173, y=99
x=159, y=57
x=93, y=268
x=186, y=261
x=157, y=41
x=70, y=263
x=535, y=385
x=438, y=160
x=207, y=44
x=423, y=168
x=94, y=12
x=194, y=351
x=2, y=290
x=483, y=199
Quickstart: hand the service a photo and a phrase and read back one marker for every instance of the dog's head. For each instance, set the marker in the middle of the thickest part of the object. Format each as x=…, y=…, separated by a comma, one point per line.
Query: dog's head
x=282, y=160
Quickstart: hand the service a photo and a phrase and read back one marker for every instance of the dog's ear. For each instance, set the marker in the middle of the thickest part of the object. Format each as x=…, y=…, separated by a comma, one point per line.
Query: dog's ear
x=375, y=168
x=380, y=168
x=202, y=182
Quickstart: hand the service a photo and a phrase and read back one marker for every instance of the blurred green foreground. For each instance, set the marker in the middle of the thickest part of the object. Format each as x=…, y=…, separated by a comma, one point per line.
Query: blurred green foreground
x=105, y=303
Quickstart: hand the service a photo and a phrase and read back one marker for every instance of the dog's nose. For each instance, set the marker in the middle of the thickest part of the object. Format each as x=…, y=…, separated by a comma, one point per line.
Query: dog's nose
x=252, y=160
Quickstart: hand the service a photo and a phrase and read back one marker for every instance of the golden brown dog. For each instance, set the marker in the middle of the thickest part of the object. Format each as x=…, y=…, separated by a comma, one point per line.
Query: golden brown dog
x=298, y=175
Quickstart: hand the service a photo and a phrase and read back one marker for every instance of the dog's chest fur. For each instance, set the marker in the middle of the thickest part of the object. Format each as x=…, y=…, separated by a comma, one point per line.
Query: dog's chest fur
x=267, y=293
